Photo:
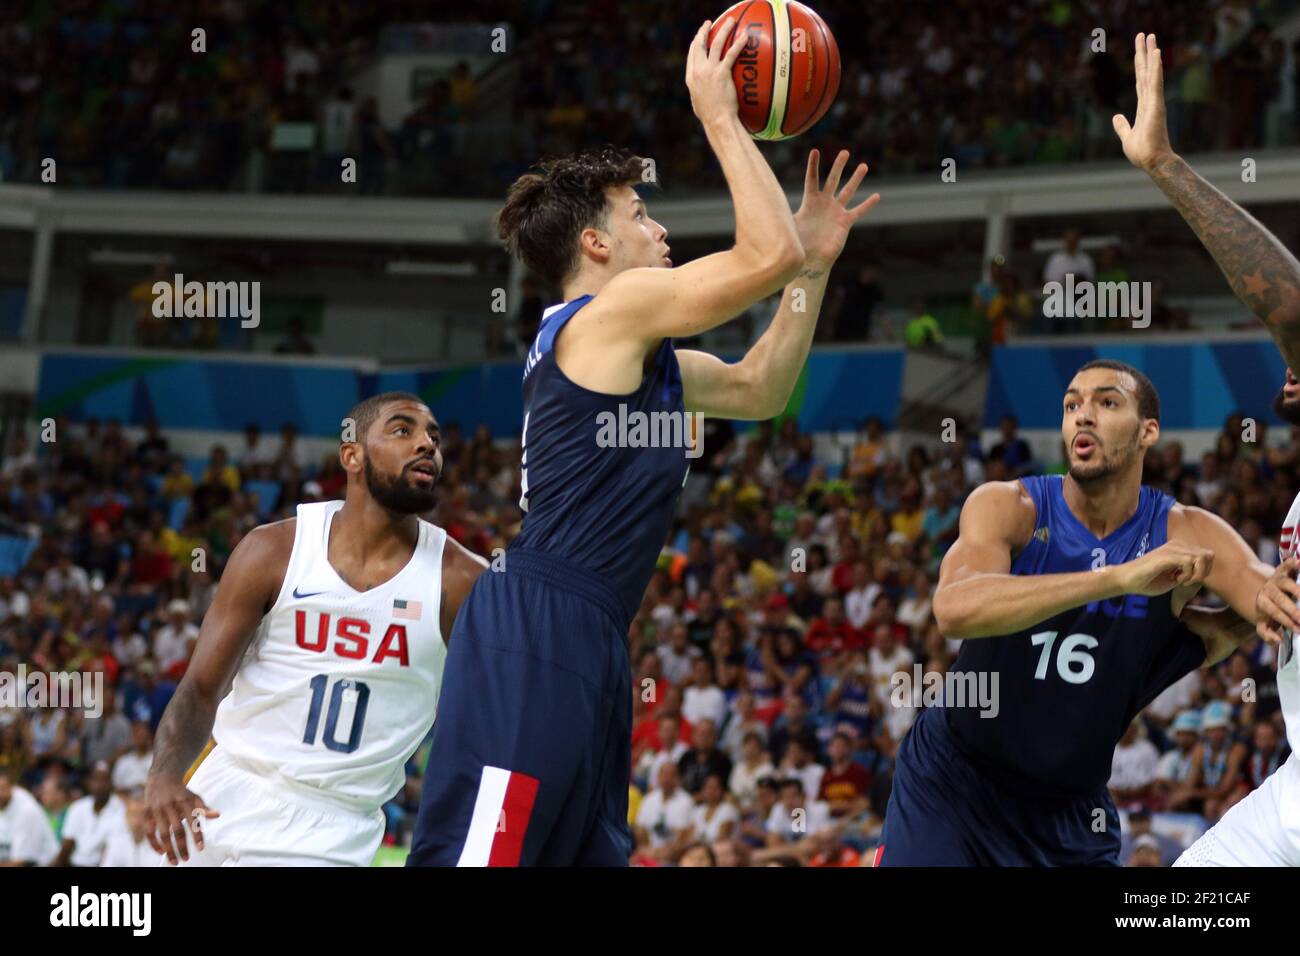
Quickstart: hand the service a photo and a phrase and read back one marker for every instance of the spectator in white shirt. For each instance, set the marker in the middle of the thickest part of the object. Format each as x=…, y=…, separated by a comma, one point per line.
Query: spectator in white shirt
x=794, y=816
x=670, y=748
x=741, y=725
x=132, y=768
x=1133, y=768
x=858, y=602
x=92, y=821
x=678, y=655
x=753, y=766
x=664, y=815
x=715, y=817
x=174, y=641
x=1174, y=768
x=66, y=577
x=670, y=610
x=1175, y=698
x=26, y=838
x=129, y=645
x=130, y=846
x=798, y=763
x=702, y=698
x=1069, y=260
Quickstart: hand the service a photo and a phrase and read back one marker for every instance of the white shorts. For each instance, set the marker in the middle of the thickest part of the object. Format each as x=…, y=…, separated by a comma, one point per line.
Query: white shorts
x=262, y=824
x=1262, y=829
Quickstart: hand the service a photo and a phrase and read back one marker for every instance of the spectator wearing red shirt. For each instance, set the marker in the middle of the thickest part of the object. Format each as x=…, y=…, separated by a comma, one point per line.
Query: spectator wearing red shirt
x=100, y=658
x=846, y=784
x=151, y=565
x=842, y=572
x=831, y=635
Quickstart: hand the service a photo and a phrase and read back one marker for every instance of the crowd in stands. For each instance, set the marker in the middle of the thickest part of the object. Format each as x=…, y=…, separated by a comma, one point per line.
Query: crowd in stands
x=767, y=718
x=921, y=83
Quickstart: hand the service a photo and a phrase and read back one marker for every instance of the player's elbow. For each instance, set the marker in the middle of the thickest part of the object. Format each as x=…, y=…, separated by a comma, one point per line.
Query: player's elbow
x=1285, y=319
x=777, y=261
x=952, y=619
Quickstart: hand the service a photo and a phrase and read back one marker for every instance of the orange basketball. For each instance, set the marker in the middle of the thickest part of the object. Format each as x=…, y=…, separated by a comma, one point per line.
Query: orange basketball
x=789, y=72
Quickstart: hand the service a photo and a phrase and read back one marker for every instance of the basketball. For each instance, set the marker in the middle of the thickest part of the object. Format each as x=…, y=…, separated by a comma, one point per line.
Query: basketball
x=789, y=72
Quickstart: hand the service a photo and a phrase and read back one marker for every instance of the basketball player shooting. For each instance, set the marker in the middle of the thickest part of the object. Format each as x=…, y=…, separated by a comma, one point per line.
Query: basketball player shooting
x=1259, y=830
x=530, y=754
x=330, y=626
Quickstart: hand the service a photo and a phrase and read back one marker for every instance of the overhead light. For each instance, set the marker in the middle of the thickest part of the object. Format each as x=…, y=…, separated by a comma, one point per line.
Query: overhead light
x=118, y=257
x=412, y=267
x=1085, y=242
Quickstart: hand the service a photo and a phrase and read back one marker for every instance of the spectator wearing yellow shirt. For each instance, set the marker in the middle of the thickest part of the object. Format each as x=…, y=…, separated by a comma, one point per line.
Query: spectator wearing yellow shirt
x=181, y=544
x=870, y=452
x=177, y=483
x=220, y=471
x=910, y=515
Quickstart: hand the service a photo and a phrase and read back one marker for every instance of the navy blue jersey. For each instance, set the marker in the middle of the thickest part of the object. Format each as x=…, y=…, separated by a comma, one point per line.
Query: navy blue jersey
x=602, y=508
x=1070, y=685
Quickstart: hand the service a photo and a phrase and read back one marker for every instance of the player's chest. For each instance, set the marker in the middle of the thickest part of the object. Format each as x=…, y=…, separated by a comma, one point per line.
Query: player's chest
x=391, y=635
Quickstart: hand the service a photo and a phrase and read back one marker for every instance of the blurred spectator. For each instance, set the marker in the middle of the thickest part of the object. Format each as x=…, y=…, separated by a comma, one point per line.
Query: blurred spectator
x=26, y=838
x=92, y=821
x=1133, y=769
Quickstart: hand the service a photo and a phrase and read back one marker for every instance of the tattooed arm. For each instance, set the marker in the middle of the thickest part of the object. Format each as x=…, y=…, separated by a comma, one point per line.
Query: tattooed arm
x=249, y=585
x=1263, y=274
x=759, y=385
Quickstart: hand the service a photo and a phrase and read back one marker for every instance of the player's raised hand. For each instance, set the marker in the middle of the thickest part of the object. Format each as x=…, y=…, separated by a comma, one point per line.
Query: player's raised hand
x=708, y=72
x=168, y=807
x=1146, y=142
x=824, y=217
x=1276, y=603
x=1171, y=565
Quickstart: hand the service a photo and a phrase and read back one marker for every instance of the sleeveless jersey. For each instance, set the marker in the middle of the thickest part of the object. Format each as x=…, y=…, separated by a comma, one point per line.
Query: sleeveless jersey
x=601, y=473
x=1288, y=669
x=338, y=686
x=1068, y=686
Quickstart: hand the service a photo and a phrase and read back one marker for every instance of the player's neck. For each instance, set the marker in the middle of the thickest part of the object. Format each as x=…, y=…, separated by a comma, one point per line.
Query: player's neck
x=588, y=281
x=364, y=529
x=1104, y=505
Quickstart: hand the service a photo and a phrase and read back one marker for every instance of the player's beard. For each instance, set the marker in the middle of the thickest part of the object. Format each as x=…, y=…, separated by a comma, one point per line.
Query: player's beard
x=1287, y=410
x=1104, y=464
x=397, y=494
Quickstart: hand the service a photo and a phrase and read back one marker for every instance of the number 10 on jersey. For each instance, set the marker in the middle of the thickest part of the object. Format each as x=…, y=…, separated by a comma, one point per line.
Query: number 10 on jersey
x=331, y=740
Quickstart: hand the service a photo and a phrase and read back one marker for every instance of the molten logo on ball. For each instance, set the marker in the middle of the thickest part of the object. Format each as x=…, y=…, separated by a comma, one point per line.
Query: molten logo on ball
x=788, y=73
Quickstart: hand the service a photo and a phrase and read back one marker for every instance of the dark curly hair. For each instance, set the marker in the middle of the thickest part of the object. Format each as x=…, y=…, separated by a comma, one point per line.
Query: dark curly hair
x=548, y=207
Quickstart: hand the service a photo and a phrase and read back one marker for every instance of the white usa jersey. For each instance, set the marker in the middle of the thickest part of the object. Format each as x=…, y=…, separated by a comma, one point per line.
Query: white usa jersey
x=1288, y=669
x=339, y=686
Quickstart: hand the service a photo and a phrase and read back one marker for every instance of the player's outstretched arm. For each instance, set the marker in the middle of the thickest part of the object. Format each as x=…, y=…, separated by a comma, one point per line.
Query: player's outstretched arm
x=978, y=596
x=1263, y=274
x=653, y=304
x=248, y=588
x=759, y=385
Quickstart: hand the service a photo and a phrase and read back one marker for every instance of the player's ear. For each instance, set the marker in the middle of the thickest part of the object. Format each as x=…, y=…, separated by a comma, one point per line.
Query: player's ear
x=595, y=244
x=351, y=456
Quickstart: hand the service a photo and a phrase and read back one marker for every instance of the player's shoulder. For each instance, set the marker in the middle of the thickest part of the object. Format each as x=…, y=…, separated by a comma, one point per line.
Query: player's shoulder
x=627, y=297
x=268, y=543
x=1002, y=497
x=460, y=560
x=1190, y=522
x=1005, y=509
